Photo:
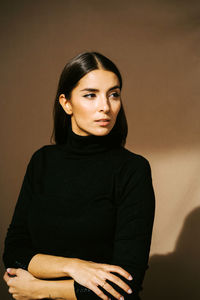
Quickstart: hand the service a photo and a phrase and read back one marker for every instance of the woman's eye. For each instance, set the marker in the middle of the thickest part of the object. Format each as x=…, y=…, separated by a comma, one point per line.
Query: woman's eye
x=115, y=95
x=89, y=95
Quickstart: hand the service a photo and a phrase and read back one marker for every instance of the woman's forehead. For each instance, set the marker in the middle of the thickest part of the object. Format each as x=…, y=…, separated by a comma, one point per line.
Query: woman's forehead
x=98, y=79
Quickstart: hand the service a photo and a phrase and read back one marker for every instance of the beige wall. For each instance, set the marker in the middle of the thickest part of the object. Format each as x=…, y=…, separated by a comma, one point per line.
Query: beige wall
x=156, y=46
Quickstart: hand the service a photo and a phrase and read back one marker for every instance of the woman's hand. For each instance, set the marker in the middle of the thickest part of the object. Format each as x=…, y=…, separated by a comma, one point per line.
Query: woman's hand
x=23, y=286
x=91, y=274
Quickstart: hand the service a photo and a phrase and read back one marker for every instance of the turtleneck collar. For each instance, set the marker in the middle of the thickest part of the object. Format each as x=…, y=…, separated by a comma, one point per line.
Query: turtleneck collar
x=89, y=144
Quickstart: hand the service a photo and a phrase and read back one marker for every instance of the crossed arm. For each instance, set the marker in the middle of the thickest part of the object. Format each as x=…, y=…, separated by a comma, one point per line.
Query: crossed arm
x=25, y=286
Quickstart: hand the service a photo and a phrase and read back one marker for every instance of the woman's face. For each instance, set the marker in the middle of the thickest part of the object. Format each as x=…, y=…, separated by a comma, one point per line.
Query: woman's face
x=96, y=97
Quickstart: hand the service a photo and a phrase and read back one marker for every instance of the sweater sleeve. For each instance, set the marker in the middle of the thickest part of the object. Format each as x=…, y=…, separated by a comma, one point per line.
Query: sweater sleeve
x=18, y=249
x=134, y=224
x=135, y=217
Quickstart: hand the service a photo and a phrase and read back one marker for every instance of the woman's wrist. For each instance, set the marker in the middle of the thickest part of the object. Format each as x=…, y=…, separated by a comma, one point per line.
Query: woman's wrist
x=39, y=289
x=48, y=266
x=61, y=289
x=69, y=265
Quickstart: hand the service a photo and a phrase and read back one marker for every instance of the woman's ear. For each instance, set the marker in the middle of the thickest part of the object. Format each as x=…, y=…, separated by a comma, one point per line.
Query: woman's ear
x=66, y=105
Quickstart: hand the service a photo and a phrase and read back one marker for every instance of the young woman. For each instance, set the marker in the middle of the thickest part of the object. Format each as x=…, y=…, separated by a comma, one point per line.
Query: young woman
x=83, y=221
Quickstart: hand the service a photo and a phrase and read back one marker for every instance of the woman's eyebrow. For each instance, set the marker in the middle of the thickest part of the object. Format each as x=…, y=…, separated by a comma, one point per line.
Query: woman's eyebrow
x=97, y=90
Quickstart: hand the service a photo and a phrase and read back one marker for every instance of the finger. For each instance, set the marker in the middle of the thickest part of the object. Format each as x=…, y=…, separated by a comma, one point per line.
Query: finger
x=11, y=290
x=120, y=270
x=98, y=292
x=112, y=291
x=12, y=271
x=119, y=282
x=6, y=277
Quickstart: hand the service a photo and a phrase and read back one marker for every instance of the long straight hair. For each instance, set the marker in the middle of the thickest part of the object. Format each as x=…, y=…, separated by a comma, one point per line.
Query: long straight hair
x=73, y=71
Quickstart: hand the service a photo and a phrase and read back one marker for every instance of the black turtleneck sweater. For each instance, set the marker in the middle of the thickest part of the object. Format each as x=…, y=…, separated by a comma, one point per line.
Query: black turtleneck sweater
x=90, y=199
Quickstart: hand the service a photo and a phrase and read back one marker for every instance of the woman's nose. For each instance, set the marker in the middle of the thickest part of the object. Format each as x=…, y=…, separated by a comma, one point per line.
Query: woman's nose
x=104, y=104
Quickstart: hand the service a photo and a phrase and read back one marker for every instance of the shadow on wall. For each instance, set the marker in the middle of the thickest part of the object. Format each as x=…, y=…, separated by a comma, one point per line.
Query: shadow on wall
x=176, y=275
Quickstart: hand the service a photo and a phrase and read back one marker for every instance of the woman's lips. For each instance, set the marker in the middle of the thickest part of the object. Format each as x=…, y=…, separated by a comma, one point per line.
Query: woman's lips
x=103, y=122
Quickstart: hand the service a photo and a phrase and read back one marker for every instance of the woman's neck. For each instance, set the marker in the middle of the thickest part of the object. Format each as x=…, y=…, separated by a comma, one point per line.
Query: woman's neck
x=89, y=144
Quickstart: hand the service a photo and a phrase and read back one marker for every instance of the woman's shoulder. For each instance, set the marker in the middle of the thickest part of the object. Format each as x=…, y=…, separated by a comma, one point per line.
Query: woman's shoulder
x=130, y=159
x=132, y=168
x=42, y=152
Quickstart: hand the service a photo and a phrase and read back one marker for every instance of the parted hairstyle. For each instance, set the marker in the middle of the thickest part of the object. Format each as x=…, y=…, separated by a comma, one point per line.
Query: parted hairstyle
x=73, y=71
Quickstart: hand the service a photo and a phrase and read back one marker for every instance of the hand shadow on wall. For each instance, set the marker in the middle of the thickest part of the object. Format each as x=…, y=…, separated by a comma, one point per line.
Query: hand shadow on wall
x=177, y=275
